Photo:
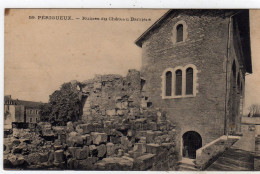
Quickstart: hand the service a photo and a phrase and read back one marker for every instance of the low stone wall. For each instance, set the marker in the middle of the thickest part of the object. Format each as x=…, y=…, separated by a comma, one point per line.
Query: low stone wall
x=208, y=154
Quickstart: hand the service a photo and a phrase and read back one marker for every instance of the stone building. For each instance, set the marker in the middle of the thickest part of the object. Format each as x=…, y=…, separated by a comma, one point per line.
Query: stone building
x=194, y=64
x=20, y=111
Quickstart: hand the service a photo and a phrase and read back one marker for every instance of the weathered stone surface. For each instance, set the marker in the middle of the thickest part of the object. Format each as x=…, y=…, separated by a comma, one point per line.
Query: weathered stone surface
x=72, y=163
x=79, y=129
x=69, y=127
x=153, y=148
x=83, y=153
x=125, y=142
x=140, y=147
x=43, y=157
x=74, y=139
x=85, y=164
x=87, y=128
x=87, y=139
x=142, y=140
x=17, y=150
x=101, y=150
x=144, y=162
x=93, y=150
x=110, y=149
x=111, y=112
x=58, y=156
x=72, y=151
x=99, y=138
x=33, y=158
x=114, y=163
x=15, y=142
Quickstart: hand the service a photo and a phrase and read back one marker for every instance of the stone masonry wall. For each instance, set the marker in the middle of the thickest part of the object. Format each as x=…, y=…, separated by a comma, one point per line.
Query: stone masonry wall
x=205, y=47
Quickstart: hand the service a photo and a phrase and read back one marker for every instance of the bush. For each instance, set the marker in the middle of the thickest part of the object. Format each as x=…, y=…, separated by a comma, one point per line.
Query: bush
x=63, y=106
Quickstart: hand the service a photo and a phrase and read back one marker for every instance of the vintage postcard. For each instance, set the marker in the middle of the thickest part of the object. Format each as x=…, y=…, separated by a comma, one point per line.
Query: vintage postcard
x=132, y=89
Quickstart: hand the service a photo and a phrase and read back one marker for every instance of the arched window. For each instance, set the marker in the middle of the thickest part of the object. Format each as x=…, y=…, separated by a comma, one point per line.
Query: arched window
x=168, y=91
x=179, y=35
x=178, y=83
x=189, y=81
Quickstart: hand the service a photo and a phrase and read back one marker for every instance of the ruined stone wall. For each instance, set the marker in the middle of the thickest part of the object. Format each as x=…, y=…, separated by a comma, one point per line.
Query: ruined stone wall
x=118, y=131
x=206, y=48
x=111, y=96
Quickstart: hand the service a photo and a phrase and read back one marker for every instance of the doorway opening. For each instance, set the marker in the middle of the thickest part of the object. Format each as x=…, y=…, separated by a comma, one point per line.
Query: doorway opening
x=192, y=141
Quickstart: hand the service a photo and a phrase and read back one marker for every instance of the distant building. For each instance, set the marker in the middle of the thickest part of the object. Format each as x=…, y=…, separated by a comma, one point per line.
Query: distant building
x=20, y=111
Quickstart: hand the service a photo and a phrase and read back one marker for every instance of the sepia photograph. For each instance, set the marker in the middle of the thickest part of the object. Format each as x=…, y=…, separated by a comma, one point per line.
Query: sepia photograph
x=131, y=90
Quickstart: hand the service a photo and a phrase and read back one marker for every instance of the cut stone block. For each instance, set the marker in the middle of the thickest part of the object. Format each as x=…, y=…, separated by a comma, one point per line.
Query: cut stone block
x=110, y=149
x=58, y=156
x=99, y=138
x=102, y=149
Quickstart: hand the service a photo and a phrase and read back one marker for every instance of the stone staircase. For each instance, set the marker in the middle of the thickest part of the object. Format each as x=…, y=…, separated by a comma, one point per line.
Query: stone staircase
x=186, y=164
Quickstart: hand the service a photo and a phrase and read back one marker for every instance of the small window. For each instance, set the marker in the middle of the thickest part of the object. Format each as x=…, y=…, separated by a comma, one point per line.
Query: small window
x=189, y=81
x=178, y=88
x=168, y=83
x=30, y=120
x=179, y=29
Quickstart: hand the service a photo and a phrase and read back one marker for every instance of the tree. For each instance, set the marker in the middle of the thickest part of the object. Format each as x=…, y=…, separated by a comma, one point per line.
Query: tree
x=63, y=106
x=254, y=110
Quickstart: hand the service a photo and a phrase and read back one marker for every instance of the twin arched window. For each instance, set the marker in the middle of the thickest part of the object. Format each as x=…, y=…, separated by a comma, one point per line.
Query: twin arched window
x=174, y=81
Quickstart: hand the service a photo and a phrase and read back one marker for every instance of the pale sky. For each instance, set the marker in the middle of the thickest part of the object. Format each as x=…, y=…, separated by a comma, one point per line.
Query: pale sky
x=40, y=55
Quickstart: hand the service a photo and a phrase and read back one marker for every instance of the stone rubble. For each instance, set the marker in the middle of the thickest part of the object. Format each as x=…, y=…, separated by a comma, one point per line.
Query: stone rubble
x=118, y=131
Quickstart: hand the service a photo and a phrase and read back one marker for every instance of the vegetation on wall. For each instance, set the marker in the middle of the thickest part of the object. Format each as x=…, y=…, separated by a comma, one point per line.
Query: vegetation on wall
x=63, y=106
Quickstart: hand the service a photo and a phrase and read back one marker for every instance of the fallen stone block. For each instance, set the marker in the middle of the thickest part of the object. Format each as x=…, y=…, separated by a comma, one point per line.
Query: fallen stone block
x=101, y=150
x=153, y=148
x=7, y=164
x=93, y=159
x=139, y=134
x=15, y=142
x=70, y=127
x=72, y=163
x=59, y=129
x=87, y=139
x=144, y=162
x=33, y=158
x=111, y=112
x=43, y=157
x=93, y=151
x=79, y=129
x=125, y=142
x=72, y=151
x=142, y=140
x=17, y=150
x=99, y=138
x=152, y=126
x=58, y=156
x=85, y=164
x=83, y=153
x=110, y=149
x=19, y=162
x=87, y=128
x=115, y=164
x=74, y=139
x=140, y=147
